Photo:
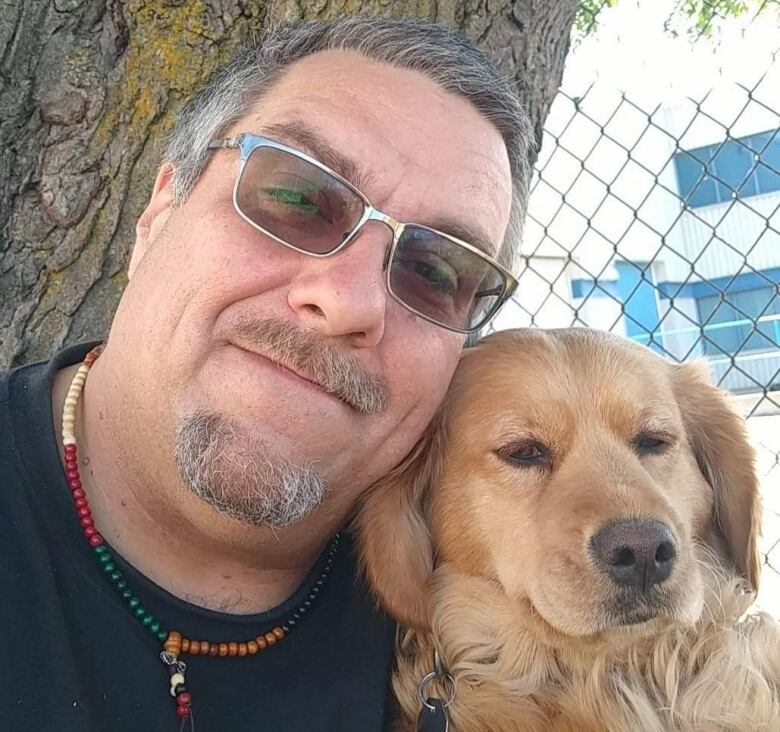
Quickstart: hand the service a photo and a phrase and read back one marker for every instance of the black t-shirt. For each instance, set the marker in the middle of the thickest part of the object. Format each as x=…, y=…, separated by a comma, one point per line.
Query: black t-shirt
x=72, y=657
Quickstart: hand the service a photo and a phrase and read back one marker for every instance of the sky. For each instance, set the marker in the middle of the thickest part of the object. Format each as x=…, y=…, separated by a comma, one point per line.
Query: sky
x=631, y=51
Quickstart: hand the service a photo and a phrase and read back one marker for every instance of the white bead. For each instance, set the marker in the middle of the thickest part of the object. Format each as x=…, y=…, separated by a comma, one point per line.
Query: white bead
x=176, y=679
x=68, y=440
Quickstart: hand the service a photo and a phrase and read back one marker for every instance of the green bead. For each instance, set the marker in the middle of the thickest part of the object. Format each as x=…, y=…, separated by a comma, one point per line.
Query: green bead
x=146, y=620
x=104, y=557
x=140, y=611
x=101, y=549
x=109, y=567
x=134, y=602
x=162, y=635
x=126, y=594
x=116, y=576
x=155, y=627
x=121, y=585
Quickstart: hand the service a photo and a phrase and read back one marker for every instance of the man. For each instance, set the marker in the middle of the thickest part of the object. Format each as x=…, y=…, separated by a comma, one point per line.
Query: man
x=281, y=344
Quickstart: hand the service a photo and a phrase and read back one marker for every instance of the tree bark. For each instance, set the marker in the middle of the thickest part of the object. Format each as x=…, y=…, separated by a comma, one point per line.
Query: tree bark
x=88, y=89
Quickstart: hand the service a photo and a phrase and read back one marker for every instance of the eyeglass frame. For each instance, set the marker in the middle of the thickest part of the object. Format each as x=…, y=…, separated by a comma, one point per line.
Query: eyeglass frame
x=248, y=142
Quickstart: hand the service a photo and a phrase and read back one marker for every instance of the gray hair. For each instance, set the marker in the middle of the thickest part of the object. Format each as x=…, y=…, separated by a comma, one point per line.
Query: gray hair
x=240, y=476
x=411, y=43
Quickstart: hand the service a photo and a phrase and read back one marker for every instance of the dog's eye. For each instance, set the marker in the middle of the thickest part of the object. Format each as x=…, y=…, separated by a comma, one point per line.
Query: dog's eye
x=525, y=454
x=650, y=444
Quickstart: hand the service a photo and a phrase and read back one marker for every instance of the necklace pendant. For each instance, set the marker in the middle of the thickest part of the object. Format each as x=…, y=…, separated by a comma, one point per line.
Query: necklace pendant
x=178, y=688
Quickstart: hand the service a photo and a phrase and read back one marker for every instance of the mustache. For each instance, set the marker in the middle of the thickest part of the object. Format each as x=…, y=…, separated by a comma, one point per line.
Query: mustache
x=329, y=367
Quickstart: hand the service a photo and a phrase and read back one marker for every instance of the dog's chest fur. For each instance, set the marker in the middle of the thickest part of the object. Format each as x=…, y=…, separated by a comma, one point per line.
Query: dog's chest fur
x=722, y=675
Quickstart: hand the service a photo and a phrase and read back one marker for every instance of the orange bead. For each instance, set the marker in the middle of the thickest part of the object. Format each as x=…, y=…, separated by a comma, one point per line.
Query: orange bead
x=213, y=649
x=174, y=635
x=232, y=649
x=261, y=642
x=204, y=648
x=252, y=648
x=185, y=645
x=270, y=637
x=194, y=647
x=278, y=632
x=223, y=649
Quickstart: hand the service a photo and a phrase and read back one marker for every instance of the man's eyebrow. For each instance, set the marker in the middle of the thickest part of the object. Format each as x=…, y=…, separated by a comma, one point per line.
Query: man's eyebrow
x=301, y=136
x=464, y=232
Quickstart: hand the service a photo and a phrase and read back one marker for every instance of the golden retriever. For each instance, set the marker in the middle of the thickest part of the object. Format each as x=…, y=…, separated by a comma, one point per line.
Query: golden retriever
x=576, y=536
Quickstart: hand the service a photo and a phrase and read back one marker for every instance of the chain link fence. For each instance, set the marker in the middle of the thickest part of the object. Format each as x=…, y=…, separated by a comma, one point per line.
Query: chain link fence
x=661, y=221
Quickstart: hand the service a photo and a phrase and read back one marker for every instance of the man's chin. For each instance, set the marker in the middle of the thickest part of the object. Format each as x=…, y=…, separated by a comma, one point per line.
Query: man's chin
x=241, y=476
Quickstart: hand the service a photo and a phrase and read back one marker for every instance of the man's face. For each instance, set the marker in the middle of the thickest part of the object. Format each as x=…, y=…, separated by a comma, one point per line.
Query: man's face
x=204, y=283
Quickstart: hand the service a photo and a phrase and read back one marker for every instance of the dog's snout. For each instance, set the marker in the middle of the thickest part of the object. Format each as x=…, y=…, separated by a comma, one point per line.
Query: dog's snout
x=639, y=553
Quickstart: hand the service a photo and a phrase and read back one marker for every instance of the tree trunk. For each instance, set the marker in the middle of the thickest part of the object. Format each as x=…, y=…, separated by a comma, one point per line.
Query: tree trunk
x=89, y=87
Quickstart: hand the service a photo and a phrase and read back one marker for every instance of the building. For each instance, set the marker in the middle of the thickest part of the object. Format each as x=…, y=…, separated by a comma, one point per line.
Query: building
x=662, y=223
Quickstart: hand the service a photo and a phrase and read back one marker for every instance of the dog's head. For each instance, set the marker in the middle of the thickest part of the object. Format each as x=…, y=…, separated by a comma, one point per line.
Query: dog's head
x=585, y=475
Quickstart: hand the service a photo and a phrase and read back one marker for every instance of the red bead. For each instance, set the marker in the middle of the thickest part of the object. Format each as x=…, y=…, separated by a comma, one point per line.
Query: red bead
x=84, y=511
x=71, y=464
x=90, y=531
x=87, y=521
x=72, y=474
x=182, y=711
x=70, y=449
x=75, y=485
x=95, y=540
x=78, y=493
x=184, y=699
x=81, y=503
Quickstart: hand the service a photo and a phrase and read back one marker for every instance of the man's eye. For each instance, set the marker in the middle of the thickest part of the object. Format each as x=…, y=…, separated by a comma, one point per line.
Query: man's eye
x=437, y=276
x=296, y=199
x=434, y=270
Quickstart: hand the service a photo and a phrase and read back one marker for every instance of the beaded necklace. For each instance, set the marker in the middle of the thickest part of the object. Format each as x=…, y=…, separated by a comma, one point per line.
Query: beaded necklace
x=174, y=643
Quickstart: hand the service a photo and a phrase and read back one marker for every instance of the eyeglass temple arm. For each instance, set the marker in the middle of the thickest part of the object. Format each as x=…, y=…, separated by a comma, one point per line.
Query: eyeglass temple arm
x=225, y=142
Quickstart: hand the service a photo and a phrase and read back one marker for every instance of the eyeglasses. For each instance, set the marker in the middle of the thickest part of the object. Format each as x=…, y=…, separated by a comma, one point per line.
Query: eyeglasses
x=304, y=205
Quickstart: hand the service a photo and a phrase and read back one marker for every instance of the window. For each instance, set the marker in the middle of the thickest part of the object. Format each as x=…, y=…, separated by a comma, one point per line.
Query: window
x=716, y=173
x=728, y=323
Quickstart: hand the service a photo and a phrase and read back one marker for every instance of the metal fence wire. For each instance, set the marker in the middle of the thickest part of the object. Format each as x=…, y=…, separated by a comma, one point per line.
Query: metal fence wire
x=662, y=222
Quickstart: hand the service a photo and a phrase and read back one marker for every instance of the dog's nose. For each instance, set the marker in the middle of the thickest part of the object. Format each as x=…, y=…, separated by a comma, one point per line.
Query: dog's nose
x=638, y=553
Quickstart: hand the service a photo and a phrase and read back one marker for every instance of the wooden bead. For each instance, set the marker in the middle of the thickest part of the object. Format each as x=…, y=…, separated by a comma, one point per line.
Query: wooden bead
x=194, y=647
x=185, y=645
x=252, y=648
x=278, y=632
x=174, y=635
x=232, y=649
x=270, y=637
x=204, y=648
x=223, y=649
x=214, y=649
x=261, y=642
x=242, y=649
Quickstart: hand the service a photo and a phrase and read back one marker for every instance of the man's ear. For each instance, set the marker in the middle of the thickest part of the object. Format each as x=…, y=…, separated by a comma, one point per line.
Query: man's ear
x=154, y=216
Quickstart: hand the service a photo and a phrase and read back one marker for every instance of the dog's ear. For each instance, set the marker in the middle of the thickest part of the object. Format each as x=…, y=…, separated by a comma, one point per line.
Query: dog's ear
x=719, y=441
x=393, y=531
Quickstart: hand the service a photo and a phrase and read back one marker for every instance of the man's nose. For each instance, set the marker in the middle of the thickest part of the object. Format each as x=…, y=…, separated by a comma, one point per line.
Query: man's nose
x=345, y=295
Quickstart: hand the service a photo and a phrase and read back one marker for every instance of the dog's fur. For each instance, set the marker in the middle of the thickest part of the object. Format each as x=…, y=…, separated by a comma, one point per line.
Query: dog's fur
x=488, y=561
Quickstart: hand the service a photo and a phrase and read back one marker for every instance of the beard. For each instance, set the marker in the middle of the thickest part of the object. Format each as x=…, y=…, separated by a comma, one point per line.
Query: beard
x=240, y=476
